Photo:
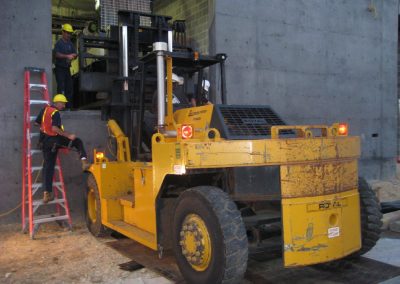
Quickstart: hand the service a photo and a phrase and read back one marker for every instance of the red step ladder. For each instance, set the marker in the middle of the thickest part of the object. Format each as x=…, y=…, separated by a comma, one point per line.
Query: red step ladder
x=36, y=96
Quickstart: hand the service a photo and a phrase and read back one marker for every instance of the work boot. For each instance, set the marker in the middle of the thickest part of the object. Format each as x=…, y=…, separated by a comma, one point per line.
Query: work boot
x=85, y=164
x=47, y=196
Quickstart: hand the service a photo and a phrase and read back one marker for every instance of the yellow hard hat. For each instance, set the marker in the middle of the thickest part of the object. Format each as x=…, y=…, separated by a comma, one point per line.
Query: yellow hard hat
x=60, y=98
x=68, y=28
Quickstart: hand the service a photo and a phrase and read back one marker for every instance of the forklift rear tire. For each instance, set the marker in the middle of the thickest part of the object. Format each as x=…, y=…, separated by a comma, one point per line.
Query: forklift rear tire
x=93, y=209
x=210, y=241
x=371, y=217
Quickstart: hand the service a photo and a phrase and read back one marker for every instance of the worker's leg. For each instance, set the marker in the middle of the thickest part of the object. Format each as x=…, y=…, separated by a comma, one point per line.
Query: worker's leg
x=60, y=75
x=49, y=162
x=68, y=88
x=76, y=143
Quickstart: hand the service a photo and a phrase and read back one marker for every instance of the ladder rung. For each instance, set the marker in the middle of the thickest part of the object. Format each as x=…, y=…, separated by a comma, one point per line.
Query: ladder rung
x=38, y=184
x=48, y=218
x=32, y=118
x=38, y=102
x=55, y=201
x=35, y=134
x=34, y=69
x=38, y=168
x=40, y=86
x=35, y=151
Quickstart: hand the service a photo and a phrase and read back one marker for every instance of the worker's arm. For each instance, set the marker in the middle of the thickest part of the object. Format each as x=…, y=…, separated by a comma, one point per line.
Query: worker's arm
x=67, y=56
x=57, y=126
x=61, y=132
x=38, y=119
x=59, y=50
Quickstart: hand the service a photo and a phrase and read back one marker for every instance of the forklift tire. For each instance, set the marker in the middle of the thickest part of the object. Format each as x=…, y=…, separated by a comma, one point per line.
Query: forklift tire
x=371, y=217
x=210, y=241
x=93, y=209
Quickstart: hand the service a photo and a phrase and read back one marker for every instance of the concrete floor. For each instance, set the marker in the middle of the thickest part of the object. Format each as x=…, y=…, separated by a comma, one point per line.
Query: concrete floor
x=387, y=249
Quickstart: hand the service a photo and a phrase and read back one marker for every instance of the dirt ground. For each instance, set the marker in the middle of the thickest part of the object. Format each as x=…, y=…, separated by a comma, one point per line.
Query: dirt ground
x=58, y=256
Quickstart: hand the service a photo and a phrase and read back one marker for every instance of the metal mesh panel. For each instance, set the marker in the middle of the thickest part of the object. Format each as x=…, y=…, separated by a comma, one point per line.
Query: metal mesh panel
x=109, y=11
x=247, y=121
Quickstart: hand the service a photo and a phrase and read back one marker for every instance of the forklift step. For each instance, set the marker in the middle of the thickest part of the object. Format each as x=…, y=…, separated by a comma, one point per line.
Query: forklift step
x=127, y=200
x=132, y=232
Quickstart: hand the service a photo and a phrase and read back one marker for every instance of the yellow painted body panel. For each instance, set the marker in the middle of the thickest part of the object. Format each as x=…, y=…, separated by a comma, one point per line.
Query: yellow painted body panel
x=321, y=228
x=316, y=179
x=268, y=152
x=143, y=214
x=116, y=180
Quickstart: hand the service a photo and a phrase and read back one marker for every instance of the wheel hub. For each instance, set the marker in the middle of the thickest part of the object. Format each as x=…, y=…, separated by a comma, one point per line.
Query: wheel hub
x=195, y=242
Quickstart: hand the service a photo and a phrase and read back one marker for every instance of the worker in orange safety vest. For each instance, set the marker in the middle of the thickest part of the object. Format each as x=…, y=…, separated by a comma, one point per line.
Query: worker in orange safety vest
x=52, y=137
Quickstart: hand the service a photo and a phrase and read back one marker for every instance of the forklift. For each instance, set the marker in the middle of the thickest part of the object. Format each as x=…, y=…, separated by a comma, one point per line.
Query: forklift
x=216, y=183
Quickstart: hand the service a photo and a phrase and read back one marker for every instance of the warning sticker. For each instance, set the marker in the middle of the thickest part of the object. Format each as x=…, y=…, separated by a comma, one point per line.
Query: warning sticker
x=333, y=232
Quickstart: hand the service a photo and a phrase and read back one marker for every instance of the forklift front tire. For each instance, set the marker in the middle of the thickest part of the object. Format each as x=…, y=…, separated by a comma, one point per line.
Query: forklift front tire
x=93, y=209
x=210, y=241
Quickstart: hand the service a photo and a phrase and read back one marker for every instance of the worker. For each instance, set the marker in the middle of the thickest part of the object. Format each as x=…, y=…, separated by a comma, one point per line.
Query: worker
x=204, y=96
x=53, y=137
x=179, y=99
x=65, y=52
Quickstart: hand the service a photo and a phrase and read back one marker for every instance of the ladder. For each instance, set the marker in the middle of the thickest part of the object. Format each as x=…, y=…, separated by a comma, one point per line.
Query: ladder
x=36, y=96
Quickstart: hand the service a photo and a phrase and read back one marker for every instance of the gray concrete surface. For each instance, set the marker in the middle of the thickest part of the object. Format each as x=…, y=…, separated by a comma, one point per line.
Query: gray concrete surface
x=316, y=62
x=387, y=250
x=25, y=28
x=26, y=41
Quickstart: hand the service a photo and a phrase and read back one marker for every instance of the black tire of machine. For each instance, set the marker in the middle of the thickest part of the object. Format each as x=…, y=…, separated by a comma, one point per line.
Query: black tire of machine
x=371, y=217
x=96, y=228
x=226, y=231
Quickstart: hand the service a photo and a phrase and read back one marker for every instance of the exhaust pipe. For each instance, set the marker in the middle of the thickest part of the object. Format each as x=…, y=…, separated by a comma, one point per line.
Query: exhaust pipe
x=160, y=48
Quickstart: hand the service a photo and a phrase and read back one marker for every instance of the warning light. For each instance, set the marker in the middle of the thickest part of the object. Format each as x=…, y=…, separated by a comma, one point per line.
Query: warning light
x=99, y=155
x=343, y=129
x=186, y=131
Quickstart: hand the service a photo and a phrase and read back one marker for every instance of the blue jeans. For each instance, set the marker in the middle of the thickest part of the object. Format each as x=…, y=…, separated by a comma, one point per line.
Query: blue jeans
x=64, y=83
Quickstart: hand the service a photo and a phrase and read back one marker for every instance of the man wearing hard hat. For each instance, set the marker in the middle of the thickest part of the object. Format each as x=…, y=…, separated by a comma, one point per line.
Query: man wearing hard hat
x=64, y=52
x=52, y=137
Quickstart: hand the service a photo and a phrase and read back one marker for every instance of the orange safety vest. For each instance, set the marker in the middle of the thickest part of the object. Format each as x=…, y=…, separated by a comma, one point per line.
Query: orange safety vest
x=46, y=125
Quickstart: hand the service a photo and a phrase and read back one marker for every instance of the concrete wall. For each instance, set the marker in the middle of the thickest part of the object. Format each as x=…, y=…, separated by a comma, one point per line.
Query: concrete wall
x=196, y=14
x=26, y=41
x=317, y=62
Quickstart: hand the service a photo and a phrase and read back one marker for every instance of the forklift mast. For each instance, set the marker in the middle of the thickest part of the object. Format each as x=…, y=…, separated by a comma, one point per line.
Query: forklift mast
x=127, y=71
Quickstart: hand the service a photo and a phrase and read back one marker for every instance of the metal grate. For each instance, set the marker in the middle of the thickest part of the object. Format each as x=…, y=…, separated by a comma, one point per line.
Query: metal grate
x=109, y=11
x=244, y=122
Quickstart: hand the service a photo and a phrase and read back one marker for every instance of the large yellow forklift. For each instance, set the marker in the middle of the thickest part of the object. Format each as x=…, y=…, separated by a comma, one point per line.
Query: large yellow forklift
x=216, y=182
